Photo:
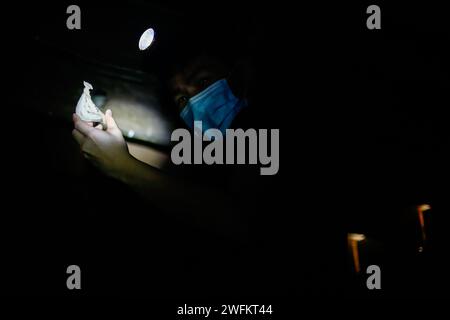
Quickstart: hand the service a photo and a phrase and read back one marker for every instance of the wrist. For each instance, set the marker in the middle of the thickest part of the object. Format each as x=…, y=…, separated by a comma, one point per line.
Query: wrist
x=128, y=169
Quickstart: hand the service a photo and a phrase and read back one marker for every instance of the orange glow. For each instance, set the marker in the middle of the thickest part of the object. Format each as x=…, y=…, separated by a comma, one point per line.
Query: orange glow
x=425, y=207
x=353, y=239
x=420, y=210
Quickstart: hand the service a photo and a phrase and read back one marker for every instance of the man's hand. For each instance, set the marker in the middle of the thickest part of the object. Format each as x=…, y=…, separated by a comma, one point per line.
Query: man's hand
x=105, y=149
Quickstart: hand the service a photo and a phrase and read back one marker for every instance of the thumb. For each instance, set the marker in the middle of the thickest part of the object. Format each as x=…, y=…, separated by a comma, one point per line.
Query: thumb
x=110, y=122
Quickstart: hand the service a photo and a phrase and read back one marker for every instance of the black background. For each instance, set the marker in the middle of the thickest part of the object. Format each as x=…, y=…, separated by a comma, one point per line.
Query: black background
x=364, y=136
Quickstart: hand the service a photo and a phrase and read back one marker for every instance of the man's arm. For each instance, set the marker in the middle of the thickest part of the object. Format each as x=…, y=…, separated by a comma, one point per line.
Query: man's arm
x=108, y=151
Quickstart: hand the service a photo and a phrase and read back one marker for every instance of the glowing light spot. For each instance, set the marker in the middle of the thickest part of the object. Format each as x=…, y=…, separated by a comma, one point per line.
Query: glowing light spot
x=146, y=39
x=356, y=237
x=425, y=207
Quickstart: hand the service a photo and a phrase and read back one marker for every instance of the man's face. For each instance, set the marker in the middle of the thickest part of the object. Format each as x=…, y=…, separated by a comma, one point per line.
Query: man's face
x=196, y=77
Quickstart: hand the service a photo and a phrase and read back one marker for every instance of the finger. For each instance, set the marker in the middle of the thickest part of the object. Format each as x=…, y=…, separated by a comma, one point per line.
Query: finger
x=99, y=126
x=75, y=118
x=79, y=137
x=110, y=122
x=82, y=126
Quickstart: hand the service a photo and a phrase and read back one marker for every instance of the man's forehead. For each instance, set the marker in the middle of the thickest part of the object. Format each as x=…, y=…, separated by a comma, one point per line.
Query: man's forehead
x=193, y=69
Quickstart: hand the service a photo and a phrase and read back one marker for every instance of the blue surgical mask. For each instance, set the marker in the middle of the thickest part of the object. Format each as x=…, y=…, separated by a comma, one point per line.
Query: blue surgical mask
x=216, y=107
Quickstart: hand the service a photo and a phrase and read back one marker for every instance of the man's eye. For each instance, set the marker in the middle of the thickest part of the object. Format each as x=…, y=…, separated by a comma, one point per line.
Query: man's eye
x=182, y=101
x=204, y=82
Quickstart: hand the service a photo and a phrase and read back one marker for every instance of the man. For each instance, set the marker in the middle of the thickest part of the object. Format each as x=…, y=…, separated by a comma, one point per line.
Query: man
x=215, y=204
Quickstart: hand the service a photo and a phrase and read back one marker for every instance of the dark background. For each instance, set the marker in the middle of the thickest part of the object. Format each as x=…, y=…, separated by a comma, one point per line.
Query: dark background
x=364, y=139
